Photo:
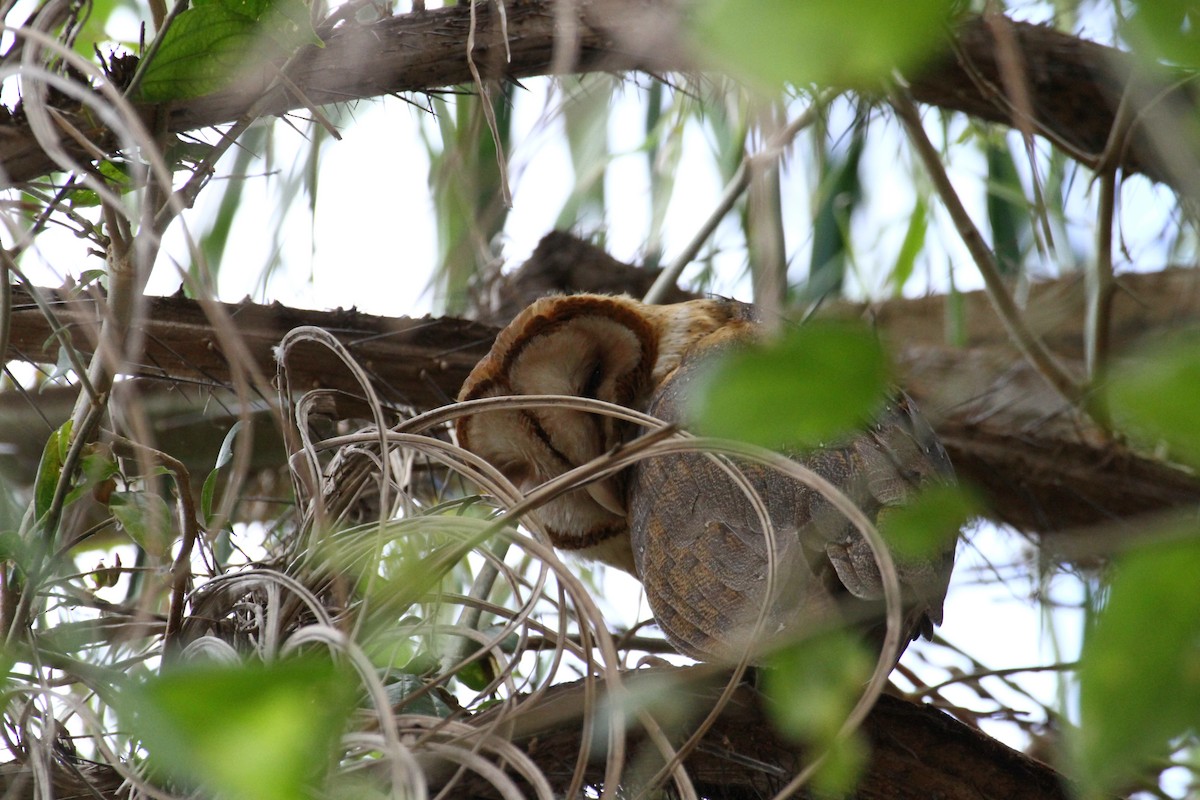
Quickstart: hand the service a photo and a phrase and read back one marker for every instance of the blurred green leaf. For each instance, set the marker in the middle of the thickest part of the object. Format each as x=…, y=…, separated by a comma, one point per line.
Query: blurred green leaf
x=411, y=695
x=14, y=549
x=854, y=43
x=924, y=526
x=97, y=466
x=208, y=490
x=845, y=760
x=1167, y=30
x=1139, y=673
x=146, y=518
x=840, y=194
x=211, y=44
x=811, y=687
x=50, y=469
x=476, y=675
x=585, y=114
x=255, y=731
x=910, y=248
x=1153, y=394
x=215, y=236
x=822, y=379
x=92, y=30
x=464, y=176
x=1007, y=208
x=90, y=276
x=118, y=180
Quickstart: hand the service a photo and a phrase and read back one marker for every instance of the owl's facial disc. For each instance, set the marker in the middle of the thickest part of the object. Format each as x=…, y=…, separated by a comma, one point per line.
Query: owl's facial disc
x=581, y=346
x=588, y=357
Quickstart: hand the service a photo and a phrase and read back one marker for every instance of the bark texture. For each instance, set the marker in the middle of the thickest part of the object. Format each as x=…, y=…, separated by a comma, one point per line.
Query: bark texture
x=1063, y=87
x=916, y=751
x=1041, y=465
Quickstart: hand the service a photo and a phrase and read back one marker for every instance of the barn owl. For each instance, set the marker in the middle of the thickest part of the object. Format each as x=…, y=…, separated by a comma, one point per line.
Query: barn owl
x=679, y=523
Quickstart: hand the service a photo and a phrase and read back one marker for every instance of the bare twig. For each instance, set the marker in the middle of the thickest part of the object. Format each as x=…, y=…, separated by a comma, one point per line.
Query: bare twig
x=485, y=99
x=1025, y=340
x=975, y=676
x=189, y=527
x=1015, y=78
x=6, y=291
x=1101, y=288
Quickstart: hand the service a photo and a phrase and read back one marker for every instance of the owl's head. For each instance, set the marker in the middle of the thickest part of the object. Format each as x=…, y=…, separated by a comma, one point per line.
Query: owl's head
x=608, y=348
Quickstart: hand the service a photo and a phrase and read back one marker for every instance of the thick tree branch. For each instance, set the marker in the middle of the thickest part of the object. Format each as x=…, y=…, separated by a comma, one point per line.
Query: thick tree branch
x=917, y=751
x=416, y=362
x=1075, y=86
x=1044, y=468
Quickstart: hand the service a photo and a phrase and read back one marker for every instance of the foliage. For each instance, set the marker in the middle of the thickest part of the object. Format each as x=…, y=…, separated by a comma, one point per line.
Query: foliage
x=213, y=43
x=781, y=395
x=824, y=42
x=158, y=585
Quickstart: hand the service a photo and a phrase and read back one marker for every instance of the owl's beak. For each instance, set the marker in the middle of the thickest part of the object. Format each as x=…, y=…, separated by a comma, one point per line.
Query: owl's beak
x=607, y=493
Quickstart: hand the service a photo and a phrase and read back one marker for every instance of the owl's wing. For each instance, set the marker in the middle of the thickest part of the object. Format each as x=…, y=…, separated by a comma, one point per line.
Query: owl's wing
x=882, y=468
x=700, y=549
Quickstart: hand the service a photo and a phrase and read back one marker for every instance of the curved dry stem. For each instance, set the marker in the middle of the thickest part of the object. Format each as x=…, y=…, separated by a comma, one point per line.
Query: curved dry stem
x=362, y=547
x=322, y=337
x=96, y=729
x=647, y=447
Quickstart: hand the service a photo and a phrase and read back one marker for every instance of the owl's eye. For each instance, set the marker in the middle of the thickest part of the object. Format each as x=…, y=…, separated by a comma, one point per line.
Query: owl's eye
x=591, y=387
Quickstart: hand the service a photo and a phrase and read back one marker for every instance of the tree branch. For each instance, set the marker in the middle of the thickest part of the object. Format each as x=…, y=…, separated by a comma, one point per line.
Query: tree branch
x=1043, y=467
x=917, y=751
x=1075, y=86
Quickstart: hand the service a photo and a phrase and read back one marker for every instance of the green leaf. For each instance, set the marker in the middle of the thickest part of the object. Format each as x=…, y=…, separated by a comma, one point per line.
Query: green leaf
x=585, y=115
x=14, y=549
x=822, y=379
x=845, y=760
x=910, y=248
x=811, y=687
x=1007, y=208
x=210, y=45
x=97, y=466
x=477, y=674
x=50, y=469
x=224, y=455
x=90, y=276
x=119, y=181
x=852, y=43
x=261, y=731
x=1167, y=30
x=839, y=196
x=411, y=695
x=1139, y=673
x=925, y=525
x=1153, y=394
x=146, y=518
